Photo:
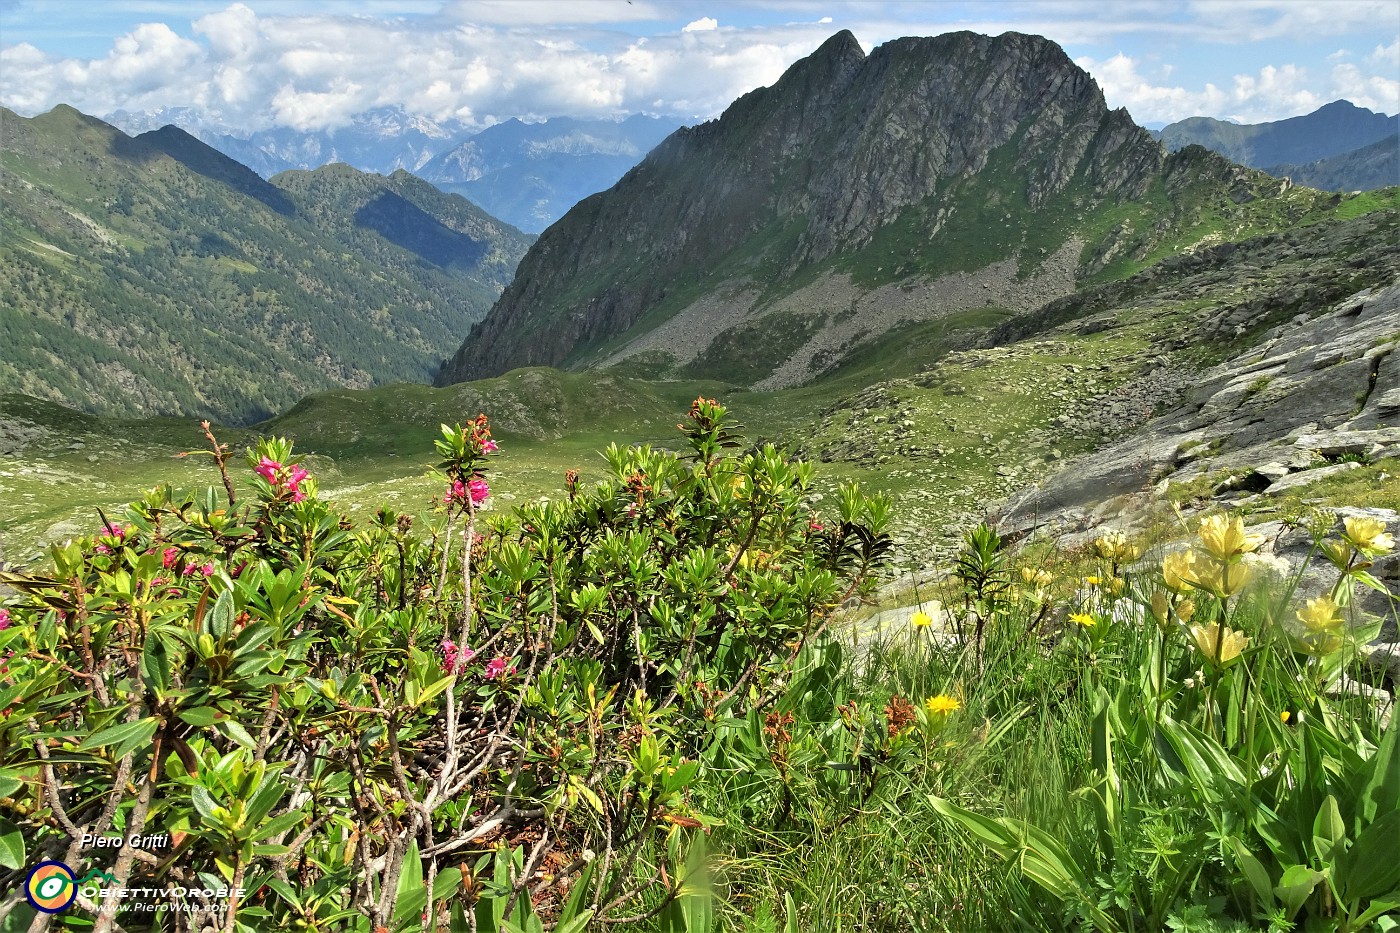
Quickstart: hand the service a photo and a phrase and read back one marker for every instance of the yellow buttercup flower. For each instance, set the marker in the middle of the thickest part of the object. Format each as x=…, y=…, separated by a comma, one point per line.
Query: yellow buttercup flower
x=1179, y=570
x=1217, y=644
x=1224, y=537
x=1092, y=581
x=1369, y=536
x=1284, y=716
x=942, y=704
x=1321, y=615
x=921, y=620
x=1083, y=618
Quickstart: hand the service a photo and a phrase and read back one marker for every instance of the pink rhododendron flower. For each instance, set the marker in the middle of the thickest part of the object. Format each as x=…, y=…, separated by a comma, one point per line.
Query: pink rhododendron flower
x=454, y=659
x=169, y=557
x=498, y=666
x=489, y=446
x=4, y=619
x=283, y=478
x=479, y=490
x=207, y=570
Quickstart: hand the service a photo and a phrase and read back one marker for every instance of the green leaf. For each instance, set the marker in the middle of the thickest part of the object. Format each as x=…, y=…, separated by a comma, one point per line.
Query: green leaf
x=578, y=895
x=155, y=663
x=11, y=845
x=446, y=883
x=576, y=925
x=200, y=716
x=1381, y=792
x=411, y=896
x=235, y=731
x=204, y=802
x=1296, y=887
x=1254, y=871
x=1329, y=832
x=125, y=735
x=1372, y=867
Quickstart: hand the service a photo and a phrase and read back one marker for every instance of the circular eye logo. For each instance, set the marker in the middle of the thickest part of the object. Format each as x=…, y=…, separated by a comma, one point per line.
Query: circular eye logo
x=51, y=887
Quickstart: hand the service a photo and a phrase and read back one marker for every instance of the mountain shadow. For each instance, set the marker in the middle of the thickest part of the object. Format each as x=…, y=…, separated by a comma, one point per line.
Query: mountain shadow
x=209, y=162
x=404, y=224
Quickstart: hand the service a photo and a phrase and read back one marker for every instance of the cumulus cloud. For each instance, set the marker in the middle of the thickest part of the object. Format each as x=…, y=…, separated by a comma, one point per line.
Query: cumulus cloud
x=313, y=65
x=479, y=61
x=1274, y=92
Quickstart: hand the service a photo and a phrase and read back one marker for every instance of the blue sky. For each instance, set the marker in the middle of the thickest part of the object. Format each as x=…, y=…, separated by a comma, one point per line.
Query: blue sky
x=313, y=63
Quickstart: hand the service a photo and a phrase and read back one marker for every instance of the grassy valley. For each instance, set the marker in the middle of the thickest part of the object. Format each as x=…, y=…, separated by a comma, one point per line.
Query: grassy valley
x=153, y=274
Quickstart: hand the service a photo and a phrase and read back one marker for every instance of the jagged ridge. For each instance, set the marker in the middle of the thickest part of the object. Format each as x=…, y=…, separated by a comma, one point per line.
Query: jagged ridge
x=805, y=170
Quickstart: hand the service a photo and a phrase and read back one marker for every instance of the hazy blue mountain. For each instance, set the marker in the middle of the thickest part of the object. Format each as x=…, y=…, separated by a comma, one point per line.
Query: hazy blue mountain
x=1373, y=166
x=1331, y=130
x=382, y=140
x=530, y=174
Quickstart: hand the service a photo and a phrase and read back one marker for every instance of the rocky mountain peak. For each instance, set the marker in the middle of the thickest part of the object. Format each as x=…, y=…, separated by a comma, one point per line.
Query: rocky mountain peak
x=846, y=159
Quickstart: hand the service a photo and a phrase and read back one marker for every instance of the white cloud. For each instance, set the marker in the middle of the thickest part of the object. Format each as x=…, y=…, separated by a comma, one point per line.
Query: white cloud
x=1275, y=92
x=310, y=64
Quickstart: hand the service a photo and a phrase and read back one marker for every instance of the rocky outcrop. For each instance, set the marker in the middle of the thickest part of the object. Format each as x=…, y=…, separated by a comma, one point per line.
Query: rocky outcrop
x=1293, y=409
x=806, y=170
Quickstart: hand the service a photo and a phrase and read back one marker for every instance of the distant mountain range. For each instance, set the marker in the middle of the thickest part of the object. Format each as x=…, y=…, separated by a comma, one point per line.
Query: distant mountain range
x=1338, y=147
x=530, y=174
x=156, y=275
x=957, y=174
x=527, y=174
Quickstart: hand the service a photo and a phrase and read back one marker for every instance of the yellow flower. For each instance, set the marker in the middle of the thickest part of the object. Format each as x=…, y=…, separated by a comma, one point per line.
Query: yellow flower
x=1092, y=581
x=1161, y=608
x=921, y=620
x=1115, y=586
x=1284, y=716
x=1083, y=618
x=1338, y=552
x=1321, y=615
x=1178, y=570
x=1224, y=537
x=1115, y=547
x=1317, y=643
x=1033, y=576
x=942, y=704
x=1224, y=580
x=1186, y=609
x=1369, y=536
x=1219, y=645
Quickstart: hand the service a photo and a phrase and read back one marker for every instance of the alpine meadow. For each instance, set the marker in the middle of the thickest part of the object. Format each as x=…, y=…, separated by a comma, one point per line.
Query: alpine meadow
x=912, y=496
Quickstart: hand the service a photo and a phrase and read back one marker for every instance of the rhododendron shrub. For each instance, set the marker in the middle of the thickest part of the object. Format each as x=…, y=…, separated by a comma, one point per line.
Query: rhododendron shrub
x=403, y=724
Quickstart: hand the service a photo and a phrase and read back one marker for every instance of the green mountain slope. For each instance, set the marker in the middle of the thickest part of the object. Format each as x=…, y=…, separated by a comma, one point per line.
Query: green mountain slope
x=857, y=195
x=1331, y=130
x=153, y=275
x=1364, y=169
